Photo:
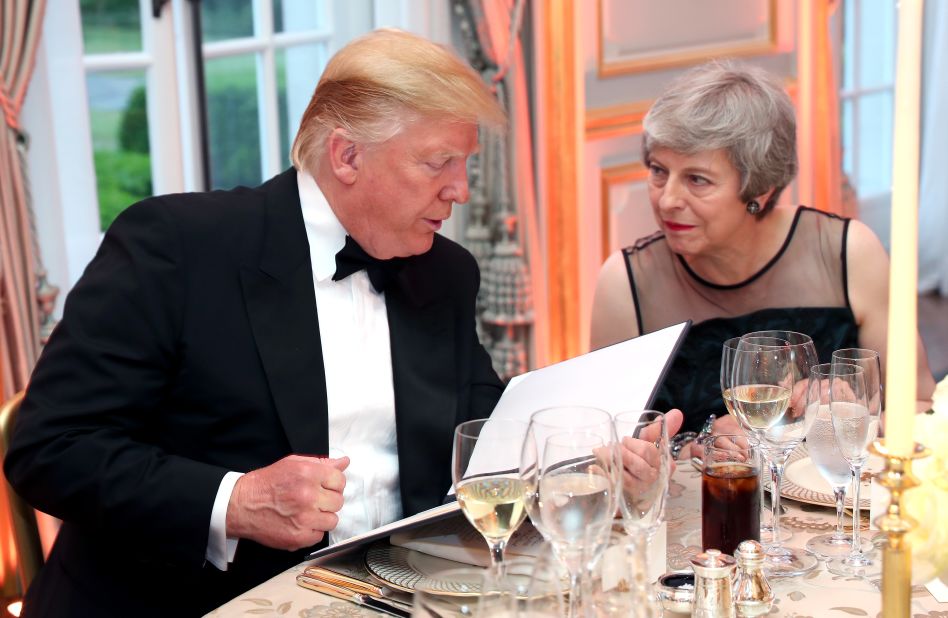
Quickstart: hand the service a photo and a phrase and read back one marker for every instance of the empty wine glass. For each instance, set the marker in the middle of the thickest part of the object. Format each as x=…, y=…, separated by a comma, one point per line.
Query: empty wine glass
x=568, y=464
x=855, y=425
x=485, y=469
x=825, y=454
x=762, y=391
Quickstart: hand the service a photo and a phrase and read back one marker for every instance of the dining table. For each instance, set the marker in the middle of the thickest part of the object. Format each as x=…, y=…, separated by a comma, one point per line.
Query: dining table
x=817, y=594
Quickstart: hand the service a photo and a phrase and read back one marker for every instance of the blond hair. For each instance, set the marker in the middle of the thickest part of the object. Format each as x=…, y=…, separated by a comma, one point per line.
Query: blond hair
x=381, y=81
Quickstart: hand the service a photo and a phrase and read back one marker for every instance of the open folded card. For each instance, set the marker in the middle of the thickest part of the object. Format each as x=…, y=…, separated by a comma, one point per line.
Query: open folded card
x=624, y=376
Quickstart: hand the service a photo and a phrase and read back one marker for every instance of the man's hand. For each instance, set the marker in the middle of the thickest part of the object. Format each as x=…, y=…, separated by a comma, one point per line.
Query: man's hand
x=289, y=504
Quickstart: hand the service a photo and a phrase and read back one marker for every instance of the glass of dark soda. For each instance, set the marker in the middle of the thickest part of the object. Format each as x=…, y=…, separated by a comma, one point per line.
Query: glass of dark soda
x=730, y=499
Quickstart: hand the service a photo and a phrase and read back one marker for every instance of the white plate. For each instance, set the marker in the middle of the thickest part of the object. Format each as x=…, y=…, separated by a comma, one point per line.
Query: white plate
x=406, y=569
x=804, y=483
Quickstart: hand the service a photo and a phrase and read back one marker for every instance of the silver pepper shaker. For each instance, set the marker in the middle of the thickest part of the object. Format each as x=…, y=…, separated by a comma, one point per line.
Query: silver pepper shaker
x=713, y=585
x=752, y=593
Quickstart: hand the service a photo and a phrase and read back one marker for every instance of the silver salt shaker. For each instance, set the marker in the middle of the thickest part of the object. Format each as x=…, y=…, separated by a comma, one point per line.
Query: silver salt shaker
x=752, y=593
x=713, y=585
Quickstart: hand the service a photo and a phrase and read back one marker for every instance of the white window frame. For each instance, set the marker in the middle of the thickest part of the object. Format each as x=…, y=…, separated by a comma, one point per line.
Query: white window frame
x=874, y=207
x=56, y=116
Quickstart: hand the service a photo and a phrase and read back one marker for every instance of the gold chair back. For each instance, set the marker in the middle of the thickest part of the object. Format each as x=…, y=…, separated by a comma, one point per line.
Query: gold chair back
x=29, y=549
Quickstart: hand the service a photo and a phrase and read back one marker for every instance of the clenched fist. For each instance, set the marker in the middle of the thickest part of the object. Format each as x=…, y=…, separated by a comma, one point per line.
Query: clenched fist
x=289, y=504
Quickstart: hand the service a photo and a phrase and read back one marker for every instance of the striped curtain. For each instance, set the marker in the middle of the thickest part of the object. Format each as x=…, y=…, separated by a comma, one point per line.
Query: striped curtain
x=26, y=300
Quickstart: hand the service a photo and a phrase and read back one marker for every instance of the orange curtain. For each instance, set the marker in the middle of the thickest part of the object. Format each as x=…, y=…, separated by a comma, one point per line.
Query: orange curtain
x=21, y=315
x=820, y=183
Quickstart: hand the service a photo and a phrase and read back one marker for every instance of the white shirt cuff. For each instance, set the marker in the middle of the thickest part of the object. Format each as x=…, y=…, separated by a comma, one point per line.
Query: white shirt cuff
x=221, y=548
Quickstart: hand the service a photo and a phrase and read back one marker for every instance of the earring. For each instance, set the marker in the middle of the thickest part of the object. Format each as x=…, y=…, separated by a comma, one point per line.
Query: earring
x=753, y=207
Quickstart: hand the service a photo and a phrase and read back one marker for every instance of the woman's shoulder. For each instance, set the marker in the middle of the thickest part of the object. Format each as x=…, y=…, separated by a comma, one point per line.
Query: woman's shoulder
x=655, y=240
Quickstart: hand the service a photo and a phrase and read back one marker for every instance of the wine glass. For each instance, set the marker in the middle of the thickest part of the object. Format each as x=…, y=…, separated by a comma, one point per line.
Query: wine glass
x=856, y=425
x=646, y=464
x=485, y=468
x=728, y=351
x=762, y=391
x=826, y=456
x=802, y=356
x=568, y=465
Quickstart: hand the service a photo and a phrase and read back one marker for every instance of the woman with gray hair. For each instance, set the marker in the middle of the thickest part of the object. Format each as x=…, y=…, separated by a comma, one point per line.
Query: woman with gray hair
x=720, y=146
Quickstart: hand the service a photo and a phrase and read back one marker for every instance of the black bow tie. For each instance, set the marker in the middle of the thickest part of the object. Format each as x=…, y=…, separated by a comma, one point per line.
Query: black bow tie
x=352, y=258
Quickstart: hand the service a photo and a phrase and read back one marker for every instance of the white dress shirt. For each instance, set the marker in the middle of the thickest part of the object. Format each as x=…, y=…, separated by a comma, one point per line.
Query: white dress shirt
x=353, y=329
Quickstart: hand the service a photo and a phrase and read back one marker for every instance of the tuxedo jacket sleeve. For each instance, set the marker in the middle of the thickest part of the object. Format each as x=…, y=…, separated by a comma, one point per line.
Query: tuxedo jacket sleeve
x=190, y=347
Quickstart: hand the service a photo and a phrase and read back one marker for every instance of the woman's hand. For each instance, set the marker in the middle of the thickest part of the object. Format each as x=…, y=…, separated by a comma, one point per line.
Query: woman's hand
x=722, y=426
x=640, y=457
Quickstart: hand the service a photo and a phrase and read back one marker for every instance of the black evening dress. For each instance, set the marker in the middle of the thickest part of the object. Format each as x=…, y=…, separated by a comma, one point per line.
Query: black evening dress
x=802, y=288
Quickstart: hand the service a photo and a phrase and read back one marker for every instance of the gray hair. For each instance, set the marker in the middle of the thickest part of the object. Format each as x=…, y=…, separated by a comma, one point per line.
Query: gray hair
x=739, y=109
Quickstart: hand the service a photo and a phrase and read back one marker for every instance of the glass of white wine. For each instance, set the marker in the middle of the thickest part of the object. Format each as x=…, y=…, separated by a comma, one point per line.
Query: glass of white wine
x=569, y=466
x=856, y=425
x=486, y=472
x=728, y=351
x=761, y=392
x=802, y=356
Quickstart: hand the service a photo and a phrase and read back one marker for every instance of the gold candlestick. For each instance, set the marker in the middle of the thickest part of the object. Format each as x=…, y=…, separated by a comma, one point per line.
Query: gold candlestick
x=897, y=477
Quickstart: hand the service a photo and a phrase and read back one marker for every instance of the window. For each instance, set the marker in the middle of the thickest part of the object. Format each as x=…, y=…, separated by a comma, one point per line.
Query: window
x=117, y=64
x=101, y=62
x=866, y=105
x=260, y=60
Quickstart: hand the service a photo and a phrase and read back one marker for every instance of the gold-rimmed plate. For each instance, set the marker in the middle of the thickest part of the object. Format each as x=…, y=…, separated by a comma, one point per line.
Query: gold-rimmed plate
x=803, y=482
x=406, y=569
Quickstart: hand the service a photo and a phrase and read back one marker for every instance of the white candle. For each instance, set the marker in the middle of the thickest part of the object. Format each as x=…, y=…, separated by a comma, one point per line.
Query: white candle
x=901, y=372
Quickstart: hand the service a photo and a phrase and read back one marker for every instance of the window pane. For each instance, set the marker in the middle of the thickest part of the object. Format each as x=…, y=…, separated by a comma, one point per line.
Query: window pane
x=848, y=139
x=119, y=140
x=876, y=42
x=233, y=121
x=298, y=15
x=110, y=26
x=849, y=45
x=875, y=144
x=226, y=19
x=295, y=69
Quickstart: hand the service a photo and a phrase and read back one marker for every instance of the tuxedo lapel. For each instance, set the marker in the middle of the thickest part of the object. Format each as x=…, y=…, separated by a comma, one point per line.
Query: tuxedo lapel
x=424, y=369
x=280, y=300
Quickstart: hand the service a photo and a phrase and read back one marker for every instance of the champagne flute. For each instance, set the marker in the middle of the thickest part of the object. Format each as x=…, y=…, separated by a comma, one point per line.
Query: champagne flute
x=872, y=373
x=646, y=468
x=826, y=456
x=856, y=425
x=485, y=469
x=762, y=391
x=581, y=462
x=646, y=464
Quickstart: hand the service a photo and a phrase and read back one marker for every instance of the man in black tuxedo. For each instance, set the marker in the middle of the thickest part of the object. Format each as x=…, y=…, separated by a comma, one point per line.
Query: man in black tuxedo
x=188, y=417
